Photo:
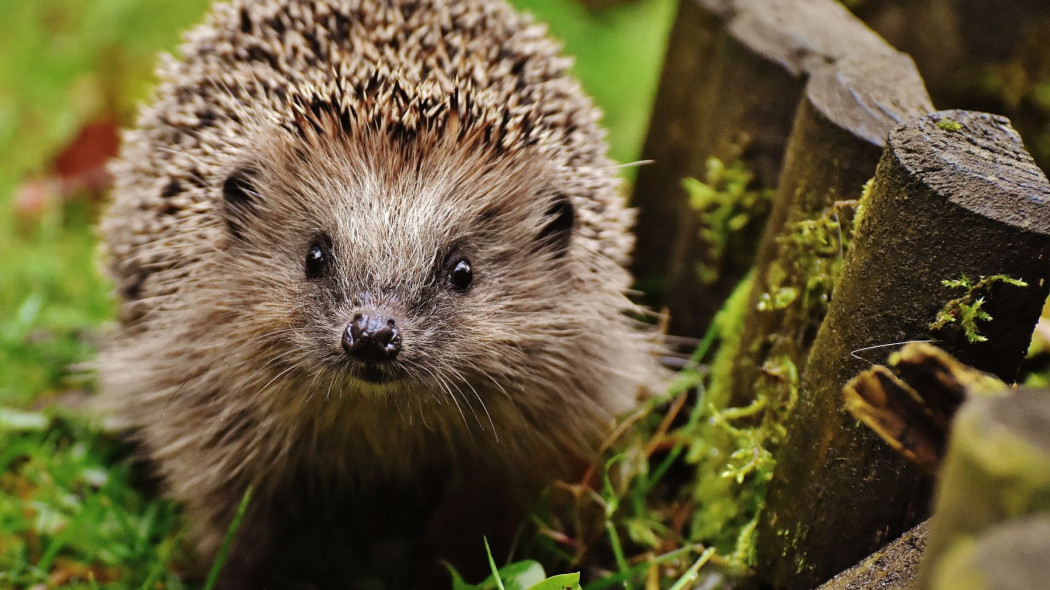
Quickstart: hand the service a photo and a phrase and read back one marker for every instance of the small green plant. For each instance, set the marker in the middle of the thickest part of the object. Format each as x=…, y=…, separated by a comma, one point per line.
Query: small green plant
x=519, y=575
x=967, y=310
x=949, y=125
x=727, y=204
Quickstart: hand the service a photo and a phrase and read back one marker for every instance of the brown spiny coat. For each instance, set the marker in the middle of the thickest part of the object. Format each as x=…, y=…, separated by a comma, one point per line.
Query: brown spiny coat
x=399, y=135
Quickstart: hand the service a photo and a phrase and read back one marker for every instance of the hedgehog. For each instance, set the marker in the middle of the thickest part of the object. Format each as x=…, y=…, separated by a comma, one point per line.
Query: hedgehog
x=366, y=249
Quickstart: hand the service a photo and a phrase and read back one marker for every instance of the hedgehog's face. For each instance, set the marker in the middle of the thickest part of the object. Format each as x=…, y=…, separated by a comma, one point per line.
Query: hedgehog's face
x=433, y=272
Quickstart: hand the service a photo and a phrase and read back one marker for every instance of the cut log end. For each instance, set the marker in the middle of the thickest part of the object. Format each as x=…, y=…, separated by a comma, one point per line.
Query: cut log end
x=869, y=95
x=978, y=162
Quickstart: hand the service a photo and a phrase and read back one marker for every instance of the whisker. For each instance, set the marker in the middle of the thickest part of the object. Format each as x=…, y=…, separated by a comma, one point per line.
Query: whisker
x=483, y=407
x=634, y=164
x=853, y=353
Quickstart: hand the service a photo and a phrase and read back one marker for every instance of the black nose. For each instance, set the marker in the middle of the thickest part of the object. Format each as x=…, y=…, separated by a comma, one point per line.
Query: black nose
x=372, y=337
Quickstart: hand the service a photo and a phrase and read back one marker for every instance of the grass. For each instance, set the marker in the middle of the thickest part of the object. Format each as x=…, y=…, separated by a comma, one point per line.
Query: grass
x=72, y=513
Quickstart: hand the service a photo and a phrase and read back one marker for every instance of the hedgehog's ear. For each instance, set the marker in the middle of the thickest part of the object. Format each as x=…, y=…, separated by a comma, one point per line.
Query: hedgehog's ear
x=240, y=199
x=559, y=222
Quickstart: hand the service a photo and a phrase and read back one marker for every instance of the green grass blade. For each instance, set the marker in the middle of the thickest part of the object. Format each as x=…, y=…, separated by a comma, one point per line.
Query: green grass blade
x=492, y=565
x=227, y=541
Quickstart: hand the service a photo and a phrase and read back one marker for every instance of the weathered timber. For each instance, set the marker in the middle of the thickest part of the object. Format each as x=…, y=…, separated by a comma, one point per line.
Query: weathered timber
x=997, y=468
x=839, y=133
x=1011, y=556
x=894, y=567
x=732, y=78
x=954, y=194
x=911, y=406
x=976, y=54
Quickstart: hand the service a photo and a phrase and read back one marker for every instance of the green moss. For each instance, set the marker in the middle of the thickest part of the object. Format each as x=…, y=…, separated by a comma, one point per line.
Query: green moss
x=727, y=204
x=967, y=310
x=726, y=451
x=799, y=285
x=734, y=446
x=728, y=323
x=730, y=447
x=862, y=203
x=814, y=250
x=800, y=282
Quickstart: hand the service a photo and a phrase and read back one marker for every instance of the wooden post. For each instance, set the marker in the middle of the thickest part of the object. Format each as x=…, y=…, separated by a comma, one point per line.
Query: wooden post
x=840, y=130
x=1010, y=556
x=954, y=194
x=976, y=54
x=894, y=567
x=732, y=79
x=997, y=468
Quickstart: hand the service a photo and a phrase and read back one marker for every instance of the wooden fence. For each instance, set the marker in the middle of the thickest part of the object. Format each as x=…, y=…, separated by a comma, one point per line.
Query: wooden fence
x=814, y=104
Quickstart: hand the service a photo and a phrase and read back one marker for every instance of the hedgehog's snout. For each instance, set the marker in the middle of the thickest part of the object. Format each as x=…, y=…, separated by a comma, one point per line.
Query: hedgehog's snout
x=372, y=337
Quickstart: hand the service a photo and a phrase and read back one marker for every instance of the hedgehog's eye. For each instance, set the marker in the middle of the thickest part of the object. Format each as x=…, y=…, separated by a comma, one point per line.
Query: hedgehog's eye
x=460, y=275
x=316, y=261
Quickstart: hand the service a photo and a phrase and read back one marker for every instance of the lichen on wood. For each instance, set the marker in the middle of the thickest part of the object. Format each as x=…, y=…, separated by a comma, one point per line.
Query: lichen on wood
x=943, y=203
x=997, y=469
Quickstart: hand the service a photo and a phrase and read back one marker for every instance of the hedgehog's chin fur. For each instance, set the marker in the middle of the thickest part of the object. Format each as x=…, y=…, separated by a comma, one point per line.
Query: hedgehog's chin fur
x=373, y=375
x=378, y=383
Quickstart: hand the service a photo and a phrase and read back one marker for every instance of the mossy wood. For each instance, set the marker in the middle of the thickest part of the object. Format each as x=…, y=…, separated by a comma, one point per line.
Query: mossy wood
x=840, y=129
x=1011, y=556
x=733, y=76
x=997, y=469
x=954, y=194
x=894, y=567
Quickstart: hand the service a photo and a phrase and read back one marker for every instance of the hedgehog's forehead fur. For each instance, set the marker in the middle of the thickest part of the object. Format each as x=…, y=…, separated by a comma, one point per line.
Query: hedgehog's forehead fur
x=474, y=70
x=397, y=199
